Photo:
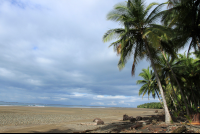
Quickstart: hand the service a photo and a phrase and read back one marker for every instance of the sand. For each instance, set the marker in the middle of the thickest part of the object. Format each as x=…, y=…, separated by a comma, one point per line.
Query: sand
x=16, y=119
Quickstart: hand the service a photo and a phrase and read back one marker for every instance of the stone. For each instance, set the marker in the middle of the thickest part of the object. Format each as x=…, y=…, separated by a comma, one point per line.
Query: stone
x=125, y=117
x=130, y=117
x=138, y=118
x=132, y=120
x=100, y=122
x=96, y=119
x=145, y=118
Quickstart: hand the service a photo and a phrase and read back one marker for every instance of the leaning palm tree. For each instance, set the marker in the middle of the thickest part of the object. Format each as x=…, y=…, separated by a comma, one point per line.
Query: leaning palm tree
x=138, y=36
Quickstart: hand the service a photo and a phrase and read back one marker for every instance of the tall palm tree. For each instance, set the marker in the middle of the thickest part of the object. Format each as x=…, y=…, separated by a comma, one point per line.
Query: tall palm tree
x=138, y=36
x=166, y=66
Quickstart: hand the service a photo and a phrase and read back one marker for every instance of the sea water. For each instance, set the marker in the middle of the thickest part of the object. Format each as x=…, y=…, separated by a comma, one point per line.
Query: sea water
x=2, y=103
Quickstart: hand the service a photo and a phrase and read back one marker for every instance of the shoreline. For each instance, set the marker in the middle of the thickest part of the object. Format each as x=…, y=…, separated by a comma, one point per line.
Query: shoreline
x=44, y=119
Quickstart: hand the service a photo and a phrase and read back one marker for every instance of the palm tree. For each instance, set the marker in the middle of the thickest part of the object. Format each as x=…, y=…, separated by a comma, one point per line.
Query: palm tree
x=190, y=75
x=184, y=16
x=148, y=83
x=140, y=36
x=166, y=66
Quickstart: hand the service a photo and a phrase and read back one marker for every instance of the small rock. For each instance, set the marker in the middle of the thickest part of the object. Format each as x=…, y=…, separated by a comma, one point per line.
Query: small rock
x=138, y=118
x=132, y=120
x=100, y=122
x=125, y=117
x=130, y=117
x=96, y=119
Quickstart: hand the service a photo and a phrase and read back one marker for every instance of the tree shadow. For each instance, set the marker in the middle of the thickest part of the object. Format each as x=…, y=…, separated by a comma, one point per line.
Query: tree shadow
x=116, y=126
x=56, y=131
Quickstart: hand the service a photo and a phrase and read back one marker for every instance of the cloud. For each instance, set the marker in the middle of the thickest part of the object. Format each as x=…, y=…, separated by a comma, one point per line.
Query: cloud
x=52, y=52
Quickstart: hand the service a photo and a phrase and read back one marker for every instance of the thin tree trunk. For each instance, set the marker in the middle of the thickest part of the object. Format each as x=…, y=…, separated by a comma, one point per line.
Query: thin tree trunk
x=187, y=110
x=174, y=94
x=198, y=44
x=159, y=99
x=173, y=102
x=193, y=97
x=168, y=118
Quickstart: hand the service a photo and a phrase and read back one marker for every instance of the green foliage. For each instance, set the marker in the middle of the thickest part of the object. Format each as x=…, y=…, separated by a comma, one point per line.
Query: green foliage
x=153, y=105
x=140, y=37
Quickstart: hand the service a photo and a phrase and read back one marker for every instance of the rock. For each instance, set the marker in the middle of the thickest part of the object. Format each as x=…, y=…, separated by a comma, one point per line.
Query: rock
x=179, y=130
x=130, y=117
x=100, y=122
x=96, y=119
x=156, y=111
x=132, y=120
x=154, y=122
x=145, y=118
x=138, y=118
x=125, y=117
x=161, y=113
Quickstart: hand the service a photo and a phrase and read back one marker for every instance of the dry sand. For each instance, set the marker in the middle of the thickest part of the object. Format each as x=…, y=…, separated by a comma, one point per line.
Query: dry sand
x=15, y=119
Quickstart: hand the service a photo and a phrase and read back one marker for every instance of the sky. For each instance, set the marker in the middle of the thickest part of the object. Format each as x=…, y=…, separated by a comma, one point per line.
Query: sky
x=52, y=52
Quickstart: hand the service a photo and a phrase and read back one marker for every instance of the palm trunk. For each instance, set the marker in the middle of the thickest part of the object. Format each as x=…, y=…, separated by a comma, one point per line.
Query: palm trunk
x=173, y=102
x=193, y=97
x=198, y=44
x=168, y=118
x=174, y=94
x=187, y=110
x=159, y=99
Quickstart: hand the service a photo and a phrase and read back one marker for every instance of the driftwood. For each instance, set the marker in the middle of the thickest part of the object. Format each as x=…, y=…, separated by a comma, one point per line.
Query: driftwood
x=179, y=130
x=136, y=126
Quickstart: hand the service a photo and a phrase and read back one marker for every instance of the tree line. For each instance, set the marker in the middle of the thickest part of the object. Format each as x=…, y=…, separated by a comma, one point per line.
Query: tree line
x=158, y=35
x=155, y=105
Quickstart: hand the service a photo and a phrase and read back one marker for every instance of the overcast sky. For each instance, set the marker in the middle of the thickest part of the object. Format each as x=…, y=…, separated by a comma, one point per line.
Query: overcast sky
x=52, y=52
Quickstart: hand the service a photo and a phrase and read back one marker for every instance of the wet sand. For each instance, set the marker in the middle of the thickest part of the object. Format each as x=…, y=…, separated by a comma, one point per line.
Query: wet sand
x=16, y=119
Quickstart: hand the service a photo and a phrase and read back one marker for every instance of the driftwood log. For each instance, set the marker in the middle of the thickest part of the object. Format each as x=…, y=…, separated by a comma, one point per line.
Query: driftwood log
x=179, y=130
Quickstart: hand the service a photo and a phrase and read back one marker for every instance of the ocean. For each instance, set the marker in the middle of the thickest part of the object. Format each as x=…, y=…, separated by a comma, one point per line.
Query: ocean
x=2, y=103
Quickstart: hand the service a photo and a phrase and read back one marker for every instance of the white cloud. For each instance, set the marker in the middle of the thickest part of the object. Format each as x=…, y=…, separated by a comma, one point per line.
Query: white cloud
x=6, y=73
x=112, y=103
x=54, y=49
x=97, y=103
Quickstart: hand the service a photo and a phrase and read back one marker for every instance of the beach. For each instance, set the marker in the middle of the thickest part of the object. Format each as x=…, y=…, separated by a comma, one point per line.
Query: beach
x=19, y=119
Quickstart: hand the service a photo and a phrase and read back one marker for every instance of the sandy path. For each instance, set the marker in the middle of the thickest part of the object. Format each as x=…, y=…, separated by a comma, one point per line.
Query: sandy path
x=51, y=119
